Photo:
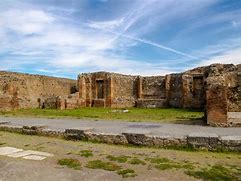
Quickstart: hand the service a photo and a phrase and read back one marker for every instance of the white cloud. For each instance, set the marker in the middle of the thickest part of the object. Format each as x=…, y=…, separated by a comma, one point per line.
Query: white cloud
x=232, y=56
x=26, y=22
x=107, y=24
x=36, y=36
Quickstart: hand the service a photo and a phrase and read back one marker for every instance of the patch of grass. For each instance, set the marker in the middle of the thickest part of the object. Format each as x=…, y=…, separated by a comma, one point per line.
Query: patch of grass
x=167, y=166
x=134, y=114
x=98, y=164
x=137, y=161
x=120, y=159
x=216, y=173
x=86, y=153
x=127, y=173
x=158, y=160
x=188, y=166
x=70, y=163
x=2, y=143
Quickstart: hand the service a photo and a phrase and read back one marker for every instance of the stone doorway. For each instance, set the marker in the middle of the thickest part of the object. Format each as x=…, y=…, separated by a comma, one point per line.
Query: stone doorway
x=198, y=92
x=100, y=89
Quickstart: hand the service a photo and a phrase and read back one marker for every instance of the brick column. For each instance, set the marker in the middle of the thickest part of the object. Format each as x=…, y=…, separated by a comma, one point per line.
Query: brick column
x=110, y=92
x=167, y=88
x=139, y=84
x=82, y=87
x=187, y=87
x=88, y=91
x=216, y=102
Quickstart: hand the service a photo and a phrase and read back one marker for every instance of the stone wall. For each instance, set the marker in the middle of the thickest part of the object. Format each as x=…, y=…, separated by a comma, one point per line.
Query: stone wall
x=202, y=141
x=102, y=89
x=186, y=90
x=223, y=90
x=123, y=90
x=151, y=92
x=153, y=87
x=174, y=90
x=31, y=91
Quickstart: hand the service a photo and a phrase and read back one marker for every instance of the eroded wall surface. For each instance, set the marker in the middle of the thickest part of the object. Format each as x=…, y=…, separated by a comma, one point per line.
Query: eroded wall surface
x=31, y=91
x=103, y=89
x=223, y=99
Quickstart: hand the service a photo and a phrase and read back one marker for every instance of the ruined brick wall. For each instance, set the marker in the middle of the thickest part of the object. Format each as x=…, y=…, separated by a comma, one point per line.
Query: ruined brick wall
x=94, y=89
x=30, y=91
x=103, y=89
x=151, y=92
x=187, y=89
x=124, y=90
x=120, y=91
x=174, y=90
x=233, y=82
x=194, y=88
x=153, y=87
x=223, y=95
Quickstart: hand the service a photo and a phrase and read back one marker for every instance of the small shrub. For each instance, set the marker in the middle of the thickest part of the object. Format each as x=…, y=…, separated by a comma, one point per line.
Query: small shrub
x=215, y=173
x=98, y=164
x=86, y=153
x=136, y=161
x=167, y=166
x=120, y=159
x=158, y=160
x=127, y=173
x=70, y=163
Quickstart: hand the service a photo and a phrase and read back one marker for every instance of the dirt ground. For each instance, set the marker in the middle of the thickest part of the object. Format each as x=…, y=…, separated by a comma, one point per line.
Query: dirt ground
x=144, y=169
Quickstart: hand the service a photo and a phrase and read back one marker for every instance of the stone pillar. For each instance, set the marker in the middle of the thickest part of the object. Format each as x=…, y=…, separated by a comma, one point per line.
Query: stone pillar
x=82, y=87
x=216, y=102
x=139, y=88
x=82, y=91
x=187, y=81
x=167, y=88
x=110, y=92
x=88, y=92
x=61, y=103
x=14, y=101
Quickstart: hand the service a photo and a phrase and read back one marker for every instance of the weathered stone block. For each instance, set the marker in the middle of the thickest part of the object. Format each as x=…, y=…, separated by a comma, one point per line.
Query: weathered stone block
x=234, y=118
x=98, y=103
x=138, y=138
x=106, y=138
x=206, y=140
x=233, y=141
x=76, y=134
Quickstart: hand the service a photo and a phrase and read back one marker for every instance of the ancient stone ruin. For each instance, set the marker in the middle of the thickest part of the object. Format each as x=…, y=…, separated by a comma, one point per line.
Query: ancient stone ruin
x=216, y=89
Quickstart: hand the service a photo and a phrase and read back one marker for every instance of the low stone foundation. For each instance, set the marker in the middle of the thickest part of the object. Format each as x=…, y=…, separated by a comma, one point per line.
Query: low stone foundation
x=195, y=140
x=151, y=103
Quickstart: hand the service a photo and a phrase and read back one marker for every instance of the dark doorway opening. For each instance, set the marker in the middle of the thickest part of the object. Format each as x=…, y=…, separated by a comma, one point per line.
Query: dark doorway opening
x=100, y=89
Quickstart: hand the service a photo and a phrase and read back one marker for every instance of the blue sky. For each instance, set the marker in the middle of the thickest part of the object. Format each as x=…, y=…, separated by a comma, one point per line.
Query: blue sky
x=146, y=37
